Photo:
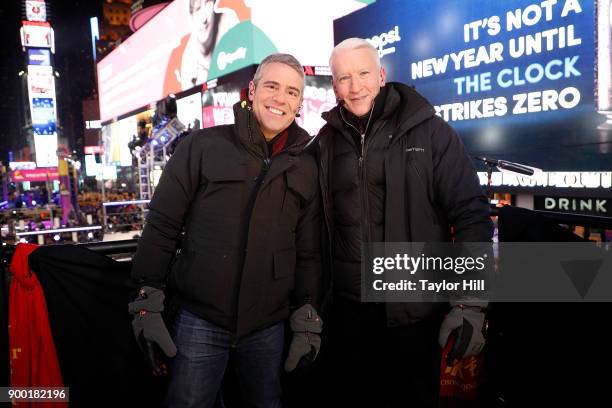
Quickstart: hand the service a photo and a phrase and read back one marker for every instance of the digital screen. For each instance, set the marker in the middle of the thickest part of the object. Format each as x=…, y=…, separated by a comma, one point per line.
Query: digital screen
x=39, y=56
x=46, y=150
x=92, y=168
x=22, y=165
x=43, y=116
x=163, y=57
x=189, y=111
x=115, y=139
x=218, y=101
x=41, y=82
x=319, y=97
x=515, y=79
x=34, y=34
x=36, y=10
x=177, y=50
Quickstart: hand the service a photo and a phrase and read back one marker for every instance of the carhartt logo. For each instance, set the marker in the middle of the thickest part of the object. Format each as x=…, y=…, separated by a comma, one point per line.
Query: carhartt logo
x=415, y=149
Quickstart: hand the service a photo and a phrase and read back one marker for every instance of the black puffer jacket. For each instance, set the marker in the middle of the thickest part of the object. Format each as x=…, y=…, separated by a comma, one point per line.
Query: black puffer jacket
x=252, y=226
x=412, y=181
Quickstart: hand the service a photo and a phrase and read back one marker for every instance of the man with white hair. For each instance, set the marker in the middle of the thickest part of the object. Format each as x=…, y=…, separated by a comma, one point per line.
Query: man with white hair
x=391, y=171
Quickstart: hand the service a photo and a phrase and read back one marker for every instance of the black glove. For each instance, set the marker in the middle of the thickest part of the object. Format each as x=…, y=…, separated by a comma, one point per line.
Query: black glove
x=306, y=325
x=149, y=329
x=468, y=323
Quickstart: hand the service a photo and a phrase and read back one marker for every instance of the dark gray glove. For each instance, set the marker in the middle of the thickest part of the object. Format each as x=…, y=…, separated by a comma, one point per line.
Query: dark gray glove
x=306, y=325
x=468, y=323
x=148, y=324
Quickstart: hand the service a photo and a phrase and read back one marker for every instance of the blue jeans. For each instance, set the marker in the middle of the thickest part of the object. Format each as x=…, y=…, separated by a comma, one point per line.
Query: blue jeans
x=203, y=353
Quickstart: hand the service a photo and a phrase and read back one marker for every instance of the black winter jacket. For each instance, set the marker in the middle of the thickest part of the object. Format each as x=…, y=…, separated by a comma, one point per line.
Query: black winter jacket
x=413, y=183
x=252, y=226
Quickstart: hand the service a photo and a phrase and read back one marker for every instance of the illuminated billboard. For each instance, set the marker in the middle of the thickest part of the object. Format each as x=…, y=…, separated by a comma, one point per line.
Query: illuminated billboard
x=181, y=48
x=92, y=168
x=319, y=97
x=37, y=34
x=41, y=82
x=516, y=79
x=115, y=139
x=26, y=165
x=36, y=10
x=38, y=56
x=221, y=95
x=46, y=150
x=46, y=174
x=43, y=115
x=189, y=111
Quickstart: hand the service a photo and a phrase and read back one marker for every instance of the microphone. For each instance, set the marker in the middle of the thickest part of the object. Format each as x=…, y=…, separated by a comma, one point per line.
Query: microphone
x=506, y=165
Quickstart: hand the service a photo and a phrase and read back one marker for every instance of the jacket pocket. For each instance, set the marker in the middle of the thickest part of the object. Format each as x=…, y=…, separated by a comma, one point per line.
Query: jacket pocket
x=298, y=184
x=297, y=193
x=221, y=203
x=281, y=286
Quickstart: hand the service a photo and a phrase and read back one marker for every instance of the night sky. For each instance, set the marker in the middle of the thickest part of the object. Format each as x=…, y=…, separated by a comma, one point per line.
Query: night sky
x=73, y=60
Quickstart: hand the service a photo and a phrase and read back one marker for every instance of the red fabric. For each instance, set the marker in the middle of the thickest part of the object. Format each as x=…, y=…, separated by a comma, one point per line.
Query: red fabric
x=460, y=381
x=32, y=351
x=279, y=142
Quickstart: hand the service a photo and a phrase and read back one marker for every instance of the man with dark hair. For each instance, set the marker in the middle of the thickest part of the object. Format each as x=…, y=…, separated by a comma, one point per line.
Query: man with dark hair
x=390, y=171
x=248, y=201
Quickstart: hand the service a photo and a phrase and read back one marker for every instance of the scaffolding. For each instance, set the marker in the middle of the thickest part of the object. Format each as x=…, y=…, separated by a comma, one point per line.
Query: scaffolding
x=153, y=156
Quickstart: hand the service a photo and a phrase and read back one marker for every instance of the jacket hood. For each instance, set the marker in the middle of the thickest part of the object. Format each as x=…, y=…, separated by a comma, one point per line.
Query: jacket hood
x=412, y=107
x=250, y=134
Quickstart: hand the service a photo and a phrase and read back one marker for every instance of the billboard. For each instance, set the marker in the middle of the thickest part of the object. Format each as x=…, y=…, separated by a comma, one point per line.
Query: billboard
x=43, y=115
x=46, y=150
x=319, y=97
x=516, y=79
x=189, y=111
x=26, y=165
x=35, y=175
x=36, y=10
x=92, y=168
x=115, y=139
x=38, y=56
x=41, y=82
x=37, y=34
x=220, y=96
x=181, y=48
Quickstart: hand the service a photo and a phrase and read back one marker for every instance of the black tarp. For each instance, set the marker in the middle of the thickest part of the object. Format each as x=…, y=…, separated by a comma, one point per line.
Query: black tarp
x=87, y=295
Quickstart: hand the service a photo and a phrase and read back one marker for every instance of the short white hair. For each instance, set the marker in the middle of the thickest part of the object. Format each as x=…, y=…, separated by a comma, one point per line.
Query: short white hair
x=353, y=44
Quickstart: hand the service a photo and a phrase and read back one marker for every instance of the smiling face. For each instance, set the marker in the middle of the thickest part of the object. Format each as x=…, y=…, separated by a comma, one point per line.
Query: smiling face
x=202, y=15
x=357, y=79
x=276, y=98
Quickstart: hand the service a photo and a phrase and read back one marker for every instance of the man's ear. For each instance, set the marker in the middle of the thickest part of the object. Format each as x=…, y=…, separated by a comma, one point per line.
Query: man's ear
x=251, y=90
x=383, y=76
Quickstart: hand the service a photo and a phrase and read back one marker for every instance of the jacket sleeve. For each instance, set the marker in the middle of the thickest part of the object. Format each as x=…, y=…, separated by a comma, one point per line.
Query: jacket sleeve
x=308, y=250
x=457, y=188
x=168, y=210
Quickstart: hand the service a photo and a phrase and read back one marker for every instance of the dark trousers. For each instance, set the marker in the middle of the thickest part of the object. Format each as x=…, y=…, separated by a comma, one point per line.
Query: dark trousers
x=203, y=355
x=372, y=365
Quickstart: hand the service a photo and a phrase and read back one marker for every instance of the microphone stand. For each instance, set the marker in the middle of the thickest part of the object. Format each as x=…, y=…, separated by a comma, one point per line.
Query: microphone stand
x=502, y=165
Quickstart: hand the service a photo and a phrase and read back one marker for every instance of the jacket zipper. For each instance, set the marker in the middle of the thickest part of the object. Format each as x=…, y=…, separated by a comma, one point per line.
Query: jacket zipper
x=365, y=229
x=323, y=184
x=247, y=227
x=363, y=191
